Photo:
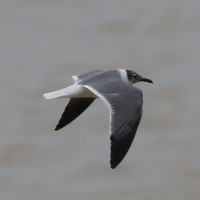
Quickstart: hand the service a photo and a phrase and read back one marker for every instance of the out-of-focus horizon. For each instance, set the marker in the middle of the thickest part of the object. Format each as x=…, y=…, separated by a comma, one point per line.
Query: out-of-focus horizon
x=44, y=43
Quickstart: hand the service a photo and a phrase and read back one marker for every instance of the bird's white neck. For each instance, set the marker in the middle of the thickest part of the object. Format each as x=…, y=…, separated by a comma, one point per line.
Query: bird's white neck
x=123, y=75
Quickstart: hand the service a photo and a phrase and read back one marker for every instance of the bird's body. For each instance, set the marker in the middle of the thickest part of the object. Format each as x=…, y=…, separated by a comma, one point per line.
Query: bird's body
x=78, y=90
x=123, y=100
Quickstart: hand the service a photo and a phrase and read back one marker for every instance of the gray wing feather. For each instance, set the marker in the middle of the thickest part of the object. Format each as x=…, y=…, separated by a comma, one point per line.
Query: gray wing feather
x=125, y=103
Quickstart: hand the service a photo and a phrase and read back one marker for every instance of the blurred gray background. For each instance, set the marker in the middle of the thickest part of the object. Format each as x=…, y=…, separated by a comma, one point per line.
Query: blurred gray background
x=43, y=43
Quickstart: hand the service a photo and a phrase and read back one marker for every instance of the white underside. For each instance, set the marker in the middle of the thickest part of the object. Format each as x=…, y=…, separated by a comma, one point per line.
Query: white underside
x=72, y=91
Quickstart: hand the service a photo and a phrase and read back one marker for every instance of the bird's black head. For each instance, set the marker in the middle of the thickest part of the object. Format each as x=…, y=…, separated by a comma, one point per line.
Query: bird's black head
x=133, y=77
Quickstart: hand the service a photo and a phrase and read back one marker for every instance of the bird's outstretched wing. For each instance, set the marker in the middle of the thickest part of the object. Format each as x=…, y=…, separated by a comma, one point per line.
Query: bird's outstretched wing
x=73, y=109
x=125, y=105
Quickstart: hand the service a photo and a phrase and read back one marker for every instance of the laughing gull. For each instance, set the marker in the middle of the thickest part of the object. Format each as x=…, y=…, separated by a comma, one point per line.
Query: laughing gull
x=124, y=101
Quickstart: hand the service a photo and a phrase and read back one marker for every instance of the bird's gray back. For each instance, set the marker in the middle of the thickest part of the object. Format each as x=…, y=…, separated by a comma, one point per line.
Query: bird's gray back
x=99, y=77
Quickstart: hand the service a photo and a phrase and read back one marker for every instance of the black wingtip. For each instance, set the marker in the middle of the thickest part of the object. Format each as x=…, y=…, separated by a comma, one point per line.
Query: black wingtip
x=114, y=162
x=57, y=128
x=74, y=108
x=113, y=166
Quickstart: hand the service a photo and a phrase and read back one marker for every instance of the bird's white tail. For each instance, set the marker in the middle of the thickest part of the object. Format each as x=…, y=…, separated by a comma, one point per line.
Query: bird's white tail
x=55, y=94
x=65, y=92
x=74, y=90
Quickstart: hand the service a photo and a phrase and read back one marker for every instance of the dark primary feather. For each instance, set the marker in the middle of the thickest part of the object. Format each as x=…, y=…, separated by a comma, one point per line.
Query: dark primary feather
x=121, y=143
x=73, y=109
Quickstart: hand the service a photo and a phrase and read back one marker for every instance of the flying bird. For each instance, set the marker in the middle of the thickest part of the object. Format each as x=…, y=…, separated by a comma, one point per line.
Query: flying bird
x=114, y=88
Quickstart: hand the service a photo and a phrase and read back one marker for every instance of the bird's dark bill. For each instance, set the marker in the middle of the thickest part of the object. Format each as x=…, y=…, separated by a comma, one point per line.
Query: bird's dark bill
x=146, y=80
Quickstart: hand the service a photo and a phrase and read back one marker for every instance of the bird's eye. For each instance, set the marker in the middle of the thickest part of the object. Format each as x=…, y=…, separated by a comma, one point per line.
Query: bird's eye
x=133, y=75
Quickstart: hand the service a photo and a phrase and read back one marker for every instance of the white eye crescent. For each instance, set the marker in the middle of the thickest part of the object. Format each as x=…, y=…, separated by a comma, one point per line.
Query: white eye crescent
x=134, y=76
